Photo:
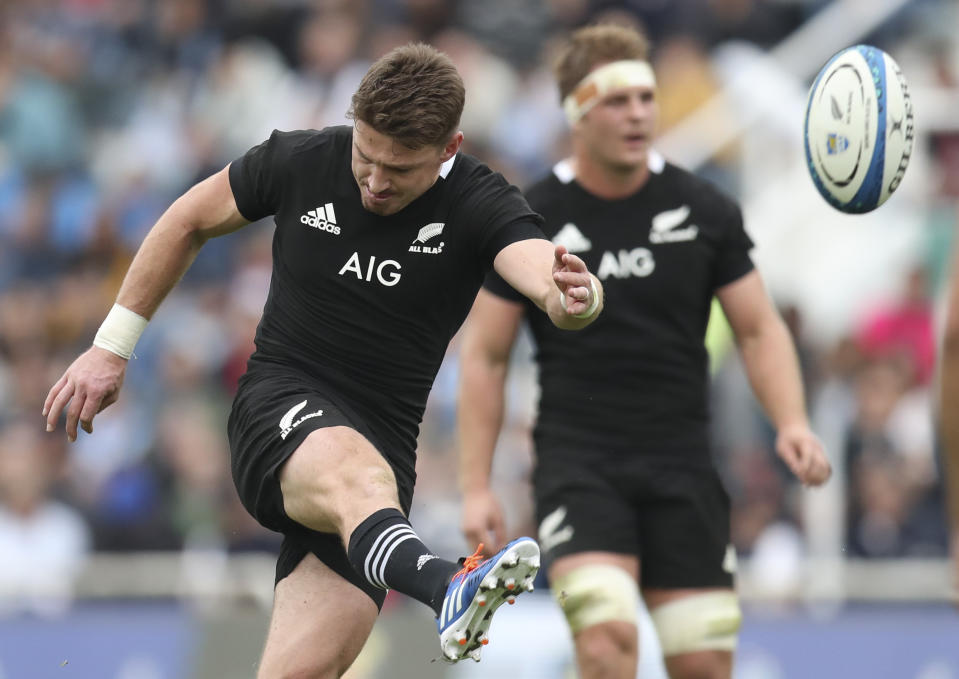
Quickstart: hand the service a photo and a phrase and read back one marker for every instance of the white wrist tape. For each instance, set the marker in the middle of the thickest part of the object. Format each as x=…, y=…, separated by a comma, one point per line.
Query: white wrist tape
x=120, y=331
x=592, y=307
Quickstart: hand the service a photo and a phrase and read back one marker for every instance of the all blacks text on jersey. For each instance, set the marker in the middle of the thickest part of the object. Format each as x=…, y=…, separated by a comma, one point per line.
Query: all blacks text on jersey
x=427, y=233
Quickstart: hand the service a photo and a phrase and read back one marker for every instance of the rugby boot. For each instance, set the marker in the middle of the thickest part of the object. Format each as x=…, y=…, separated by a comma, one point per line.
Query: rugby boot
x=477, y=590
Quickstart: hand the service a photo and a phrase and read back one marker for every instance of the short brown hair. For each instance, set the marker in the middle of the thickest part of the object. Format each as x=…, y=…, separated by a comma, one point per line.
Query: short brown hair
x=593, y=45
x=413, y=94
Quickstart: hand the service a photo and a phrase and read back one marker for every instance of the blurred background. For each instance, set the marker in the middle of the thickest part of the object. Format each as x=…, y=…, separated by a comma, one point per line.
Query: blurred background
x=127, y=554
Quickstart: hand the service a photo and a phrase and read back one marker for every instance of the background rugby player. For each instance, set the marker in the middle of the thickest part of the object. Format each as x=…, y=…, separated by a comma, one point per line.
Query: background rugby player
x=625, y=489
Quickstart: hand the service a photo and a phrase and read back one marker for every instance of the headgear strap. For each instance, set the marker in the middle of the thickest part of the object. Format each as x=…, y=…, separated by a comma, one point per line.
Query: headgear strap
x=613, y=76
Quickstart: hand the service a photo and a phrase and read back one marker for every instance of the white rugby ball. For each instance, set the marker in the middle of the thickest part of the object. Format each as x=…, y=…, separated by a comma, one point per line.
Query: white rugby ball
x=858, y=129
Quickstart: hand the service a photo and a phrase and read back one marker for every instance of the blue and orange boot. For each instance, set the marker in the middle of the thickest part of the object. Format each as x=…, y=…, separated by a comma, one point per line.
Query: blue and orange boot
x=476, y=591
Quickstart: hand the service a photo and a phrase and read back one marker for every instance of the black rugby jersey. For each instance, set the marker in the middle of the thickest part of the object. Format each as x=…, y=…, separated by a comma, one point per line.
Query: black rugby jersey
x=636, y=377
x=367, y=303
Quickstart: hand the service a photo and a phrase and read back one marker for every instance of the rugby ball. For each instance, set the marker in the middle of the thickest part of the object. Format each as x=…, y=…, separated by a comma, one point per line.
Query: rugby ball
x=858, y=129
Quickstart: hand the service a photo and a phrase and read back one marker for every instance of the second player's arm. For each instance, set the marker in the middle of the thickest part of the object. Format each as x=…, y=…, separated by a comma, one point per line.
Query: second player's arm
x=772, y=366
x=541, y=271
x=488, y=337
x=949, y=413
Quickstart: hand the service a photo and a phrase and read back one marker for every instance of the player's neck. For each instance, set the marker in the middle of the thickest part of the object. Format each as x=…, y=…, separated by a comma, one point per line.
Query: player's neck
x=608, y=182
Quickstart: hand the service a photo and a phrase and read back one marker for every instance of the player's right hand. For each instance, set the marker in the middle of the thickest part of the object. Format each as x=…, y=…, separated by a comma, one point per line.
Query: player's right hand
x=483, y=520
x=955, y=566
x=90, y=384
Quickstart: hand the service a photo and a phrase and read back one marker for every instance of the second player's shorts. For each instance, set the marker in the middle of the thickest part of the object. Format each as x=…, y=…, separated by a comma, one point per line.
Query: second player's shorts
x=273, y=412
x=673, y=516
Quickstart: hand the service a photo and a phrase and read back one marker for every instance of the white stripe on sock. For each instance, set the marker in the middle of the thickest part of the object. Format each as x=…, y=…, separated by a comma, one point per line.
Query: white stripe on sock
x=381, y=574
x=382, y=548
x=371, y=555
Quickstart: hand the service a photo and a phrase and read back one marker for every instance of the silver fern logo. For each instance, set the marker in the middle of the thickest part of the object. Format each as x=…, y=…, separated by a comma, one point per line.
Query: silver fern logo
x=552, y=532
x=287, y=424
x=426, y=233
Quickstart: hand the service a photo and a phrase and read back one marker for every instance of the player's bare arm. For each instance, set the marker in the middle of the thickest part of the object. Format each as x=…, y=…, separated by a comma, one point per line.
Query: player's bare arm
x=487, y=340
x=773, y=369
x=568, y=293
x=948, y=422
x=93, y=381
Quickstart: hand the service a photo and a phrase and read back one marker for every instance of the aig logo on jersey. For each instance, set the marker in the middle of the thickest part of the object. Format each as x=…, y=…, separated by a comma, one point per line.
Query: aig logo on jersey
x=322, y=218
x=428, y=232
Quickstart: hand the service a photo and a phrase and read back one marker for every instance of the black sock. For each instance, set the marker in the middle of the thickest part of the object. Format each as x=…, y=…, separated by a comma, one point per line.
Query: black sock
x=386, y=551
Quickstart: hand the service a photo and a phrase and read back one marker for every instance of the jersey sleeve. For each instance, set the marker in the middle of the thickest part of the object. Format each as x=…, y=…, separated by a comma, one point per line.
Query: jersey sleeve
x=497, y=285
x=733, y=260
x=257, y=178
x=498, y=213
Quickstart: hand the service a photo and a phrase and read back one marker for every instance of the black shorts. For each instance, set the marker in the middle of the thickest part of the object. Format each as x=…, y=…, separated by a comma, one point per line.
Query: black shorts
x=273, y=412
x=673, y=516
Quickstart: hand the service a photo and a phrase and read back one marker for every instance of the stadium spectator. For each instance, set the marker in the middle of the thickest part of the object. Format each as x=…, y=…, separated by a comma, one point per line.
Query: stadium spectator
x=43, y=541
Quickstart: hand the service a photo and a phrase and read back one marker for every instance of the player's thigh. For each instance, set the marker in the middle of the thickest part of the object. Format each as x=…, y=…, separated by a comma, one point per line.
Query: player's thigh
x=319, y=624
x=580, y=510
x=336, y=478
x=684, y=529
x=279, y=418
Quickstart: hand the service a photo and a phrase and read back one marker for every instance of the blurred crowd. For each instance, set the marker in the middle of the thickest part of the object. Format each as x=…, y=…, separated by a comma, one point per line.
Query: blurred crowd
x=109, y=109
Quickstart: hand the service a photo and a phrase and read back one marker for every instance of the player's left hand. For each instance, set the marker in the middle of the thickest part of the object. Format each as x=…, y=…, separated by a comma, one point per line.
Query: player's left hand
x=803, y=453
x=573, y=280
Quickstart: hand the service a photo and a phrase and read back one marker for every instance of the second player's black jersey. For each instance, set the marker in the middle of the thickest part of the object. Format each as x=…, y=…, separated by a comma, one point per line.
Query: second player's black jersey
x=369, y=303
x=637, y=376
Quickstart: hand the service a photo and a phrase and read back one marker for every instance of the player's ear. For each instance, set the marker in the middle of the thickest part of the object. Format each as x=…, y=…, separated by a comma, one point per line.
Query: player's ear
x=452, y=146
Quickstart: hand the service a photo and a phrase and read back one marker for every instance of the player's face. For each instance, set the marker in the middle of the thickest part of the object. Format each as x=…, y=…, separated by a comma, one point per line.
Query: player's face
x=390, y=175
x=619, y=129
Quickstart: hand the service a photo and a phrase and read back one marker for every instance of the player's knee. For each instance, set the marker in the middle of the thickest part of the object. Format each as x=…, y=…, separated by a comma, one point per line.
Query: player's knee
x=607, y=643
x=701, y=622
x=700, y=665
x=595, y=594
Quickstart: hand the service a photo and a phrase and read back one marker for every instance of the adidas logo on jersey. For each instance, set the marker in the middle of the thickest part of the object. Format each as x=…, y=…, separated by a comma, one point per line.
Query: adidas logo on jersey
x=664, y=226
x=323, y=218
x=428, y=232
x=572, y=239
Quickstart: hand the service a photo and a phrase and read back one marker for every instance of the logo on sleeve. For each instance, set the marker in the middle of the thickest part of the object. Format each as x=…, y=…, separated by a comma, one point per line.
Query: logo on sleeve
x=665, y=226
x=322, y=218
x=572, y=239
x=287, y=424
x=427, y=233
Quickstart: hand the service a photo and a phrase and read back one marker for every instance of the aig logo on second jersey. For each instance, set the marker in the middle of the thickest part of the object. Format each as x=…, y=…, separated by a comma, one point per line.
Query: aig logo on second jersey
x=322, y=218
x=637, y=262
